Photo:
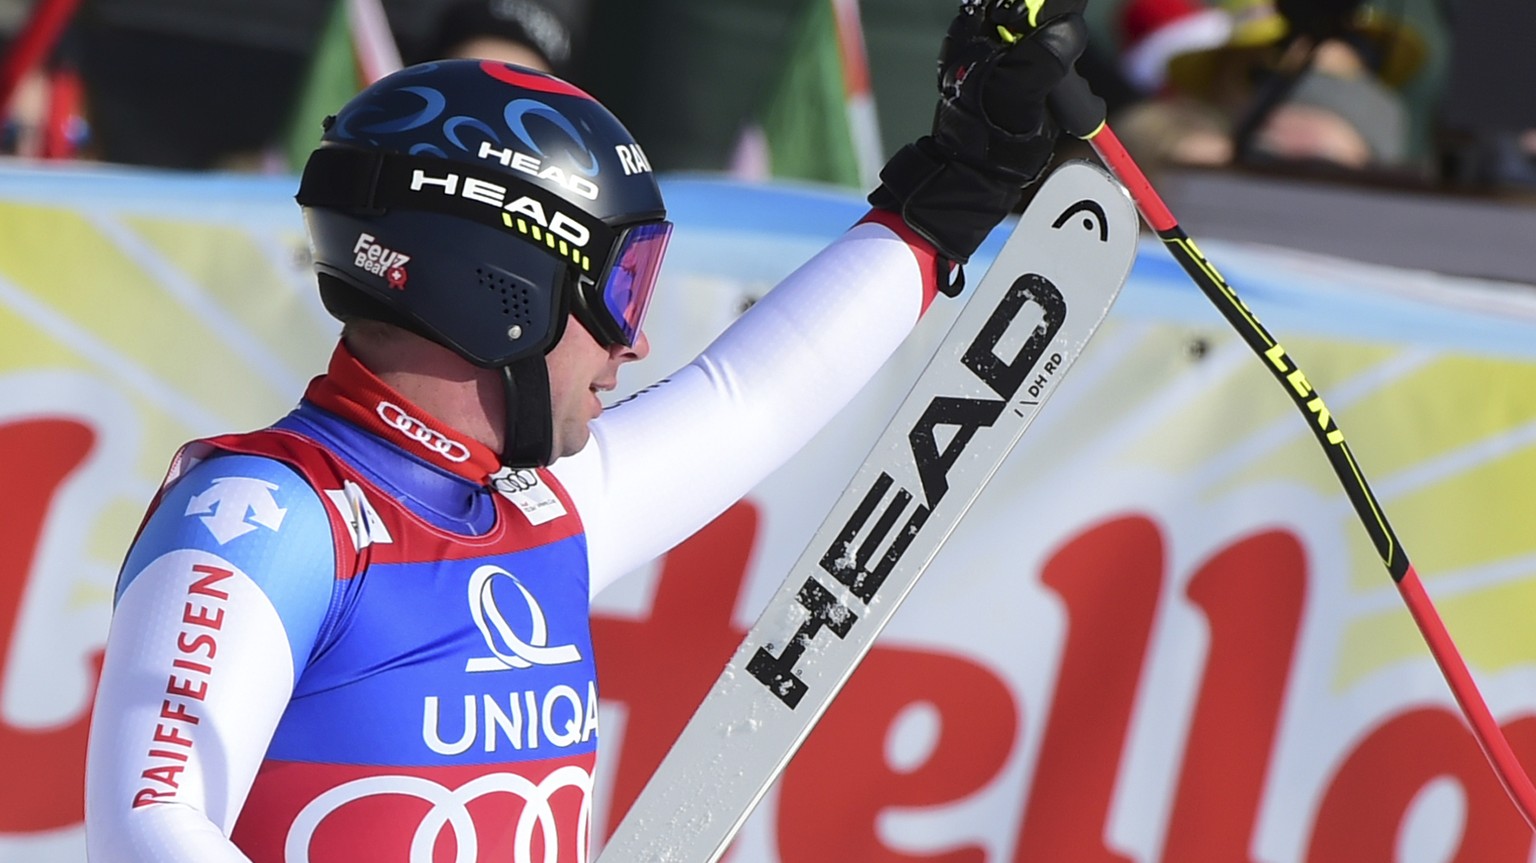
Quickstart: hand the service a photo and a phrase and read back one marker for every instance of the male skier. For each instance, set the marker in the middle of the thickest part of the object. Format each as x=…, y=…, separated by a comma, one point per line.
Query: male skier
x=361, y=633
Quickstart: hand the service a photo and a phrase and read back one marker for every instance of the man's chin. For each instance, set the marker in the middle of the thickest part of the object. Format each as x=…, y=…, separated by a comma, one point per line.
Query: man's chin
x=572, y=442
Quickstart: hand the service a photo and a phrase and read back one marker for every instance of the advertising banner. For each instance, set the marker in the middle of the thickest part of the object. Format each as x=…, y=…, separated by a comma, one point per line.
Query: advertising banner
x=1161, y=635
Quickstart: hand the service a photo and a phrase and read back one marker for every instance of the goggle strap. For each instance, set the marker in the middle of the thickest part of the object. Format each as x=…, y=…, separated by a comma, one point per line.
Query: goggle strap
x=337, y=178
x=373, y=183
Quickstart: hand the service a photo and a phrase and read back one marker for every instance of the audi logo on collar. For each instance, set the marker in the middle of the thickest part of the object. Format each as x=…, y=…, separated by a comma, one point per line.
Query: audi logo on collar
x=395, y=417
x=510, y=481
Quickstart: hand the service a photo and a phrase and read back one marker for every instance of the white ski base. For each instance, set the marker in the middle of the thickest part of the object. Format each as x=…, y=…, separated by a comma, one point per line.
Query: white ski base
x=1021, y=329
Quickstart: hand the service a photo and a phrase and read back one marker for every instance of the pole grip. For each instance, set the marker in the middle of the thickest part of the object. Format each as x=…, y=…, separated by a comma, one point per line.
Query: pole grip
x=1077, y=110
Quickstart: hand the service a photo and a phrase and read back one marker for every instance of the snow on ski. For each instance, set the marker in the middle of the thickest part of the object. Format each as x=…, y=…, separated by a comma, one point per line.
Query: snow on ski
x=1021, y=329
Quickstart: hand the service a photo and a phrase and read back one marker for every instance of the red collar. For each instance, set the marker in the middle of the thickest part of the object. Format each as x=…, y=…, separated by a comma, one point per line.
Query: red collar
x=352, y=392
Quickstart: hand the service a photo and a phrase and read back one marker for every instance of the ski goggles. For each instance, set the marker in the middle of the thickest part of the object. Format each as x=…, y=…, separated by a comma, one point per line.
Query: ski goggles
x=614, y=307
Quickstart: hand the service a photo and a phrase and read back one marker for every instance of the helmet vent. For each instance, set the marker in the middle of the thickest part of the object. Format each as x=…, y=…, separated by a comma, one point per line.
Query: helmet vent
x=513, y=294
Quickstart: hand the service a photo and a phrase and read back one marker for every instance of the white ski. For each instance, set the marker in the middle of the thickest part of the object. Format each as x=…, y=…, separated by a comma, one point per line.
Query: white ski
x=1021, y=329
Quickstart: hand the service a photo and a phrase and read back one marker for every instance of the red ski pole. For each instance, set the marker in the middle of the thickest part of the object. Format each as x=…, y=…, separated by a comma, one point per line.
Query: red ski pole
x=35, y=39
x=1082, y=114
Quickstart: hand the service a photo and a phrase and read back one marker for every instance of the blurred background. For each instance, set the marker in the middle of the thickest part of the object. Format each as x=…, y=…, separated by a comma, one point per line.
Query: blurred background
x=1162, y=634
x=1438, y=93
x=1419, y=97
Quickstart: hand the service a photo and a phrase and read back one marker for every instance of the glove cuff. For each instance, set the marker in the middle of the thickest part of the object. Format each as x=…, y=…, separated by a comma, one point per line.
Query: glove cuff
x=947, y=201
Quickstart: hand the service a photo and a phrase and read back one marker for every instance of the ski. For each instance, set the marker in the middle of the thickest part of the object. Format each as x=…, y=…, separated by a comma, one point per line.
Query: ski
x=1023, y=326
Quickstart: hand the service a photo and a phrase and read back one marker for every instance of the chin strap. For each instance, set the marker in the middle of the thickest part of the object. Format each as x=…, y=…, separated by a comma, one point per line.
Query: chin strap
x=529, y=437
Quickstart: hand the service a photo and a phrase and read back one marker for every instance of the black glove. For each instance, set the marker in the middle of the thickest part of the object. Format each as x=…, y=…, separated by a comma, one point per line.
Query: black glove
x=992, y=134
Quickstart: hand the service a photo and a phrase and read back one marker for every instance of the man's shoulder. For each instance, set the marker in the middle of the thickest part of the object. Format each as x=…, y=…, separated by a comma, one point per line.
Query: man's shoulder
x=273, y=448
x=254, y=518
x=242, y=505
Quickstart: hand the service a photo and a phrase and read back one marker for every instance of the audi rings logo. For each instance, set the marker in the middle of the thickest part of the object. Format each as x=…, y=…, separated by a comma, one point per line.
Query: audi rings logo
x=515, y=480
x=450, y=809
x=508, y=649
x=395, y=417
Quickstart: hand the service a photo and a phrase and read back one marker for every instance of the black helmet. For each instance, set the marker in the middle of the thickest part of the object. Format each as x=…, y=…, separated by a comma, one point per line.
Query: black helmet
x=478, y=203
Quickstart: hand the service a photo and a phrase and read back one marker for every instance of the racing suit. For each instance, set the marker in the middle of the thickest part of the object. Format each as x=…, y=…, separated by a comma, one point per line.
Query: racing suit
x=355, y=636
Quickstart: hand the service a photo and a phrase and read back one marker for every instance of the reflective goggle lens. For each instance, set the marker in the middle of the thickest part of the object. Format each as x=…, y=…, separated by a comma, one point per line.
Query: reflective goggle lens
x=627, y=288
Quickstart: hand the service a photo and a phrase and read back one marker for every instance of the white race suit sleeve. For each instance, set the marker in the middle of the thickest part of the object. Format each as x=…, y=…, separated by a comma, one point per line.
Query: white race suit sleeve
x=708, y=433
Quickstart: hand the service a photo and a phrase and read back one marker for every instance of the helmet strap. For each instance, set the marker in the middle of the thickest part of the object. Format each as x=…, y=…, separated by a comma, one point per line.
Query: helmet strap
x=529, y=435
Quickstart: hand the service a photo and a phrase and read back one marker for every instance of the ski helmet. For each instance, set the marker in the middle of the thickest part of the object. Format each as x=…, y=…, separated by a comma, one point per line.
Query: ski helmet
x=478, y=204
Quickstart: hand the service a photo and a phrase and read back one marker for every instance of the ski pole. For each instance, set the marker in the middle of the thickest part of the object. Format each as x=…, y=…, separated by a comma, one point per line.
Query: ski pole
x=31, y=46
x=1082, y=114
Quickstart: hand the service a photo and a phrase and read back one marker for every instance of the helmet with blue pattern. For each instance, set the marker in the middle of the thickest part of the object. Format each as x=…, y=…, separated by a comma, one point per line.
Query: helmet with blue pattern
x=479, y=205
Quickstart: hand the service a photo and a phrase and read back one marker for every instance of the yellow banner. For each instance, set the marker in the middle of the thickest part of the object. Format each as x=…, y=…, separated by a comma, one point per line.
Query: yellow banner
x=1162, y=634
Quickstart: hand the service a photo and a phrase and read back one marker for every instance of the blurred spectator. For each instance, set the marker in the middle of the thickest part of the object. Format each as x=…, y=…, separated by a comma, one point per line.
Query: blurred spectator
x=24, y=116
x=199, y=84
x=1237, y=83
x=41, y=98
x=1155, y=31
x=1338, y=112
x=539, y=34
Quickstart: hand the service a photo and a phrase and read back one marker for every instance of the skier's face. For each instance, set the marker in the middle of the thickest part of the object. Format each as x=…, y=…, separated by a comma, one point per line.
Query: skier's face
x=580, y=368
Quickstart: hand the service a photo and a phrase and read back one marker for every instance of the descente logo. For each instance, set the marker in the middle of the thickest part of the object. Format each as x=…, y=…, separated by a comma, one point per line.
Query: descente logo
x=559, y=224
x=395, y=417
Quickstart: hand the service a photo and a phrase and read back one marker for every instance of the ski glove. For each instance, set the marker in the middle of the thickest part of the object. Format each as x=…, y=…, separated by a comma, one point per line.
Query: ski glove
x=992, y=134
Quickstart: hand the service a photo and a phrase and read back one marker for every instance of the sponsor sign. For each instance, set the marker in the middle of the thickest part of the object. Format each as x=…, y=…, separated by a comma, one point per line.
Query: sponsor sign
x=1160, y=636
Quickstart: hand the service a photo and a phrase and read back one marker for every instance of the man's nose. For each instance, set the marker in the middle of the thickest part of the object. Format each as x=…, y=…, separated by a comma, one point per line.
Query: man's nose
x=638, y=351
